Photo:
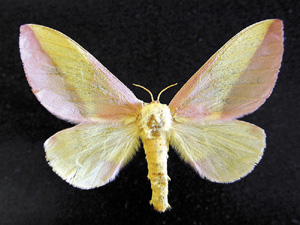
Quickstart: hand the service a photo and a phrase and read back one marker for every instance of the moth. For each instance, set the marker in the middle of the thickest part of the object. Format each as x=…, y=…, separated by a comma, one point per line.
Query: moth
x=200, y=122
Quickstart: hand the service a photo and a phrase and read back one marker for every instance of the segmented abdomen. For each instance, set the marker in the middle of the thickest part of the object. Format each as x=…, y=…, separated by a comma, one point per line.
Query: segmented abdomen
x=156, y=150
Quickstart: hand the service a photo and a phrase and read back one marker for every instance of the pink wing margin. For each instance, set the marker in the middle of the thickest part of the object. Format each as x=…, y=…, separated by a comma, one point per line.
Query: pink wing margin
x=198, y=99
x=58, y=97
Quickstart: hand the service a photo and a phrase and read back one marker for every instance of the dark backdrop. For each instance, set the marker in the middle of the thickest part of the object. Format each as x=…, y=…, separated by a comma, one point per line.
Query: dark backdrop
x=153, y=44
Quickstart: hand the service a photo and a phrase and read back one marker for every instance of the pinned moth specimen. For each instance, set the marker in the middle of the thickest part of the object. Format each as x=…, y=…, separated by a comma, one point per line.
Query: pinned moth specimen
x=200, y=122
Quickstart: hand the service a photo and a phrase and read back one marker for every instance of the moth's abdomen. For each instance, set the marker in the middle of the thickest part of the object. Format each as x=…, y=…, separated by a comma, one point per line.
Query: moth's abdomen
x=155, y=121
x=156, y=155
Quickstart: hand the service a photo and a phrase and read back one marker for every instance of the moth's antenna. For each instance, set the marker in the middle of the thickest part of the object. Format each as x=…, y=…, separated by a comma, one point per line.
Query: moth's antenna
x=164, y=90
x=140, y=86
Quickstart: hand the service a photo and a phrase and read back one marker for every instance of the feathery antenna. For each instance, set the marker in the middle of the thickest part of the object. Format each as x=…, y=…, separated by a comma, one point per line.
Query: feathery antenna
x=140, y=86
x=164, y=90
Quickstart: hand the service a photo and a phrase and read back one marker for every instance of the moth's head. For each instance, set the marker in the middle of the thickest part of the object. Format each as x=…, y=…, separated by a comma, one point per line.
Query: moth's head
x=155, y=118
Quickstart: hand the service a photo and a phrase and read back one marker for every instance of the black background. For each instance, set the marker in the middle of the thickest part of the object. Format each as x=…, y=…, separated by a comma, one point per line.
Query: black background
x=155, y=44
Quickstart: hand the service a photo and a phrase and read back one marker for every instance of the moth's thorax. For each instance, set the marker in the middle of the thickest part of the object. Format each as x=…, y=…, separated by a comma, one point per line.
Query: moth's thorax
x=154, y=119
